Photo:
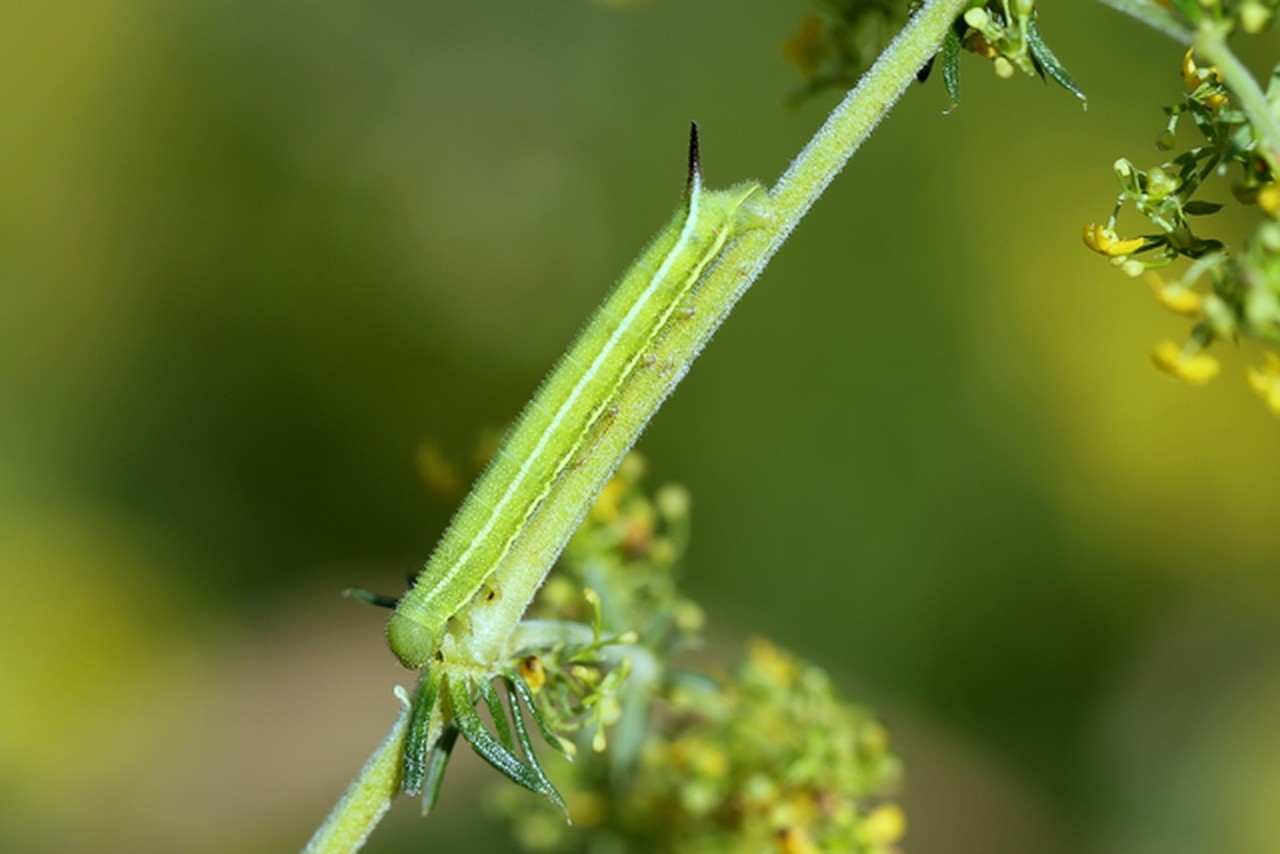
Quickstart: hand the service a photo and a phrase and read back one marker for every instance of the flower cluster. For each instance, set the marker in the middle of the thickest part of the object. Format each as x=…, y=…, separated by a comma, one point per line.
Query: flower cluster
x=1007, y=34
x=769, y=758
x=1227, y=294
x=765, y=758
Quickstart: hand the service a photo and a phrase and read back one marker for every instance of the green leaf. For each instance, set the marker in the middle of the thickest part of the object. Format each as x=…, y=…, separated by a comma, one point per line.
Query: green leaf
x=370, y=598
x=1196, y=207
x=498, y=713
x=531, y=757
x=493, y=751
x=436, y=763
x=951, y=67
x=523, y=693
x=1047, y=63
x=415, y=743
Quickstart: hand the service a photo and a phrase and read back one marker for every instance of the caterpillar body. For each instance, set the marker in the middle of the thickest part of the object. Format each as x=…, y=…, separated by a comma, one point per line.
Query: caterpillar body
x=581, y=390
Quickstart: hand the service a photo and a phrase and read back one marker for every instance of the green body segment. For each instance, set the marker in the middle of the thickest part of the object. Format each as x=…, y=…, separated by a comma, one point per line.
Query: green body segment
x=552, y=431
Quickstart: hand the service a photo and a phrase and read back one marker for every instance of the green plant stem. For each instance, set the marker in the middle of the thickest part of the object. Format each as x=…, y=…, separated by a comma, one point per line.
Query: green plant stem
x=368, y=797
x=1211, y=43
x=846, y=128
x=852, y=121
x=1156, y=17
x=739, y=266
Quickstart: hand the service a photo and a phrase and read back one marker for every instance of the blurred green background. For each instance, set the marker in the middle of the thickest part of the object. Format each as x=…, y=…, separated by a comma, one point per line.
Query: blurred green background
x=253, y=253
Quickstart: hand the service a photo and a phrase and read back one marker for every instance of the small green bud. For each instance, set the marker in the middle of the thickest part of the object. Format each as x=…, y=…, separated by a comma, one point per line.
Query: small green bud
x=1269, y=237
x=689, y=617
x=559, y=593
x=633, y=466
x=663, y=552
x=610, y=711
x=673, y=501
x=1254, y=16
x=1160, y=183
x=1181, y=238
x=1126, y=175
x=977, y=17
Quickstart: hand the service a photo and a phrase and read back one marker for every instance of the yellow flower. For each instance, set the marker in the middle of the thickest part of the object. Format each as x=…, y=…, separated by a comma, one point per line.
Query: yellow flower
x=1265, y=381
x=1269, y=198
x=1193, y=75
x=795, y=840
x=1191, y=368
x=772, y=662
x=1104, y=241
x=1176, y=298
x=885, y=825
x=533, y=673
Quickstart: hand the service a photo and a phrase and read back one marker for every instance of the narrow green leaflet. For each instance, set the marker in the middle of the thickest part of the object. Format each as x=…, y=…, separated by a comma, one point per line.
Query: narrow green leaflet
x=526, y=773
x=951, y=67
x=418, y=737
x=1047, y=63
x=523, y=693
x=437, y=761
x=498, y=714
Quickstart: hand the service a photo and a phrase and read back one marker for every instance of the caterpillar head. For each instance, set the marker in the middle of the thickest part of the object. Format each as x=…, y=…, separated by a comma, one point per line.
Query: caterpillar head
x=413, y=643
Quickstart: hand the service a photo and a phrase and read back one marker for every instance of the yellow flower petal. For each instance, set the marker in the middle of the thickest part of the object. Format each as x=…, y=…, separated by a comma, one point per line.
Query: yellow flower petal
x=1191, y=368
x=1189, y=69
x=1104, y=241
x=1093, y=237
x=1269, y=198
x=533, y=673
x=885, y=825
x=1193, y=75
x=795, y=840
x=1178, y=299
x=1265, y=382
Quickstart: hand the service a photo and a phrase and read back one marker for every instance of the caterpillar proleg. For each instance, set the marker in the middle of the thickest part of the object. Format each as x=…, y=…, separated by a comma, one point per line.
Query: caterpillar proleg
x=582, y=390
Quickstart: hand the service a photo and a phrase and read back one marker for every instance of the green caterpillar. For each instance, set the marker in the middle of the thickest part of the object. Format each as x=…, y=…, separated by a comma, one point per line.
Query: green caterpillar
x=580, y=392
